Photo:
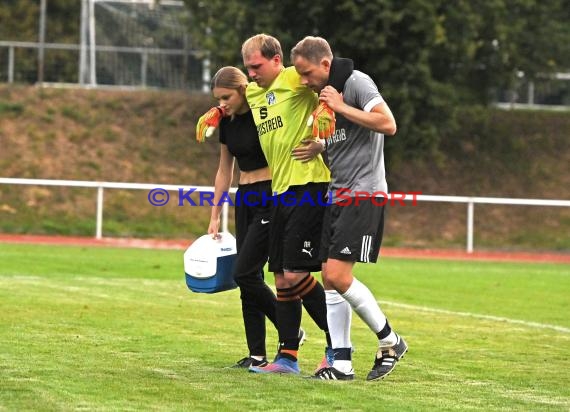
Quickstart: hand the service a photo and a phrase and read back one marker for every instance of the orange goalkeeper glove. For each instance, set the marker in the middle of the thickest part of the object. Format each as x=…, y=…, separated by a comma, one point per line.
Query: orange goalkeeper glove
x=323, y=121
x=208, y=122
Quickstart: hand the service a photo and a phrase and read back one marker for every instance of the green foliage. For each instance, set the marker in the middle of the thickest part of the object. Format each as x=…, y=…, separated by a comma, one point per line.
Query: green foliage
x=13, y=108
x=20, y=20
x=508, y=135
x=73, y=113
x=426, y=56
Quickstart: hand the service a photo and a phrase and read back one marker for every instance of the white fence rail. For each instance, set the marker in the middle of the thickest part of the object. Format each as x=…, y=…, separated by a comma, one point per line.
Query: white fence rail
x=100, y=186
x=199, y=79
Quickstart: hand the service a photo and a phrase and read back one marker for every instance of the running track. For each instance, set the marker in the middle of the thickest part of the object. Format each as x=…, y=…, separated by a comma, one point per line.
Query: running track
x=386, y=251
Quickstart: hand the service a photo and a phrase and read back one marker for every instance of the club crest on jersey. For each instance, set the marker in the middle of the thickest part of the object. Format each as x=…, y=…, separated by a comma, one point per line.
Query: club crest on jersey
x=270, y=97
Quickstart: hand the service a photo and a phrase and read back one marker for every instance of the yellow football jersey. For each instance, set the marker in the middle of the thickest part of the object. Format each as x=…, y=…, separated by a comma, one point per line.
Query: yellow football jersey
x=280, y=113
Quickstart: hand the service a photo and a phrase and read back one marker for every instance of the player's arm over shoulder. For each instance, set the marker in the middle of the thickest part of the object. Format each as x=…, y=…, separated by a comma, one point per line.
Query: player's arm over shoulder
x=364, y=105
x=376, y=116
x=383, y=119
x=375, y=112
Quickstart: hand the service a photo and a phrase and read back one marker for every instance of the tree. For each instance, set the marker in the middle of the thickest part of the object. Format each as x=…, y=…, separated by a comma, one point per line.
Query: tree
x=386, y=39
x=484, y=45
x=19, y=21
x=428, y=56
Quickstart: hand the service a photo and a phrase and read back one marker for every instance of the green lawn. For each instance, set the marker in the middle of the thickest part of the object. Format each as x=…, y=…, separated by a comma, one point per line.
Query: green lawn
x=117, y=329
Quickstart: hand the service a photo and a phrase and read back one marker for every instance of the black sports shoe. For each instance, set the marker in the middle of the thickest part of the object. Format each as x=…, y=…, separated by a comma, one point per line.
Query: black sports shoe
x=332, y=374
x=245, y=363
x=384, y=364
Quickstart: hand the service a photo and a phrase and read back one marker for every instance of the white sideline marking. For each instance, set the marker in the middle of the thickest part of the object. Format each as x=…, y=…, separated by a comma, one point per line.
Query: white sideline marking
x=478, y=316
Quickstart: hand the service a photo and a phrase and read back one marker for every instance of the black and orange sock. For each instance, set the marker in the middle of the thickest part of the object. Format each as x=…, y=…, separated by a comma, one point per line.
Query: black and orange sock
x=313, y=295
x=289, y=311
x=289, y=354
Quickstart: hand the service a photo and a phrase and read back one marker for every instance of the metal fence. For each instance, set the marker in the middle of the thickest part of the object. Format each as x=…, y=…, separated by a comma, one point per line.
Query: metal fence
x=101, y=186
x=551, y=92
x=18, y=63
x=120, y=43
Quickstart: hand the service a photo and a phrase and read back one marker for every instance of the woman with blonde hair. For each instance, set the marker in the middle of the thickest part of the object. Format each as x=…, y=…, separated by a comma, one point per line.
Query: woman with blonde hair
x=239, y=141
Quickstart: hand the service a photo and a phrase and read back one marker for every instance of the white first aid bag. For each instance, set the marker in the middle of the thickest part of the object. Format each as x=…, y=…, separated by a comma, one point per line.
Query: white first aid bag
x=208, y=263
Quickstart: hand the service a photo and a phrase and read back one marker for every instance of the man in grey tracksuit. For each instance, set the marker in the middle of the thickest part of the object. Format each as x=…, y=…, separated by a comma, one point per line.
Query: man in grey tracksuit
x=353, y=223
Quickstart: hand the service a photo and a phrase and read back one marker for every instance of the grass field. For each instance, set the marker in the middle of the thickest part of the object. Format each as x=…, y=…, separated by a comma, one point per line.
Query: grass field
x=117, y=329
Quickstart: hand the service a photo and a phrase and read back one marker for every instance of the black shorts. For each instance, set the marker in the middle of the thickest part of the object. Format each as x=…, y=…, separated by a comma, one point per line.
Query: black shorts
x=296, y=225
x=353, y=233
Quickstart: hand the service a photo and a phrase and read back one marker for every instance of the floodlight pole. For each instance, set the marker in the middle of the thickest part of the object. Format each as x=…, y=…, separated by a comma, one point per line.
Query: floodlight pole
x=92, y=73
x=83, y=27
x=42, y=41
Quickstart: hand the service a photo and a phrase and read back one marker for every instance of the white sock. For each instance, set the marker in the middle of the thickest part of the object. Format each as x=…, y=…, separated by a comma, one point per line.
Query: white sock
x=365, y=305
x=389, y=340
x=344, y=366
x=339, y=319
